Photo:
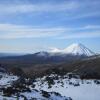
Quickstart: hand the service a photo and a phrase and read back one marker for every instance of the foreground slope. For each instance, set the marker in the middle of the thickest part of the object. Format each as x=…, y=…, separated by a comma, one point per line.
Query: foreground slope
x=18, y=88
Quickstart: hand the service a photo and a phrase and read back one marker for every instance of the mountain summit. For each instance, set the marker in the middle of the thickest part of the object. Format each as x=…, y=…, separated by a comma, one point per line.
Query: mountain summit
x=76, y=49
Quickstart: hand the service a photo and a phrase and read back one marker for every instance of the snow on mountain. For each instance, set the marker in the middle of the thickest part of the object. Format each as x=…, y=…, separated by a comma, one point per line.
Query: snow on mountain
x=54, y=50
x=78, y=49
x=42, y=53
x=75, y=49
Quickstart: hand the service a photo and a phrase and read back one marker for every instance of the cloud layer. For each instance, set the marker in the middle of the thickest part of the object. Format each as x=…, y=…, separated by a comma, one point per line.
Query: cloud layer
x=76, y=8
x=11, y=31
x=36, y=8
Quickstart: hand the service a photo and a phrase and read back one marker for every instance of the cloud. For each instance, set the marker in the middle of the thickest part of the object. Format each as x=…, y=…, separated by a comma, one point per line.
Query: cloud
x=92, y=27
x=12, y=31
x=95, y=34
x=85, y=15
x=87, y=27
x=31, y=8
x=69, y=9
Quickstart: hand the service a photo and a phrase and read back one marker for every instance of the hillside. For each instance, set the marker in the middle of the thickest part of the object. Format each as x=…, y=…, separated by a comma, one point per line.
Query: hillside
x=86, y=68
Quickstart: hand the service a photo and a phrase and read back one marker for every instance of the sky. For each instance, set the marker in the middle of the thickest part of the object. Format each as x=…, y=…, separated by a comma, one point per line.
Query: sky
x=28, y=26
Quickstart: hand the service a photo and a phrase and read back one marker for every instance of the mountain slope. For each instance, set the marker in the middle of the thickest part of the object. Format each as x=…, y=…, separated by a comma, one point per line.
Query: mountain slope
x=75, y=49
x=78, y=49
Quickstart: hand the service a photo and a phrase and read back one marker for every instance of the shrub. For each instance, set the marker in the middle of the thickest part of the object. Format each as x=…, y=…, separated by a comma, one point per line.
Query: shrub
x=45, y=94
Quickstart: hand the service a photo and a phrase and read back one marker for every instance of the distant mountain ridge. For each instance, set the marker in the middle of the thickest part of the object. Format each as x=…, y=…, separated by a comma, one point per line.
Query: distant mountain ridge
x=72, y=53
x=9, y=54
x=76, y=49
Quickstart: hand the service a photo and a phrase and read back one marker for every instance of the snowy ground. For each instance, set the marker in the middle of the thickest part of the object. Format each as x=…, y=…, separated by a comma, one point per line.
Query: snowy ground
x=74, y=88
x=6, y=81
x=34, y=95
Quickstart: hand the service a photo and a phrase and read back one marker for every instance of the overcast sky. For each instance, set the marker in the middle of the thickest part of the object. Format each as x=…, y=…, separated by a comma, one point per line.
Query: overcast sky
x=36, y=25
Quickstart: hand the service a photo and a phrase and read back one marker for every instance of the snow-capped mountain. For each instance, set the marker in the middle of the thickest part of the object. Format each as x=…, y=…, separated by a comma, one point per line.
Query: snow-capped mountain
x=78, y=49
x=75, y=49
x=72, y=53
